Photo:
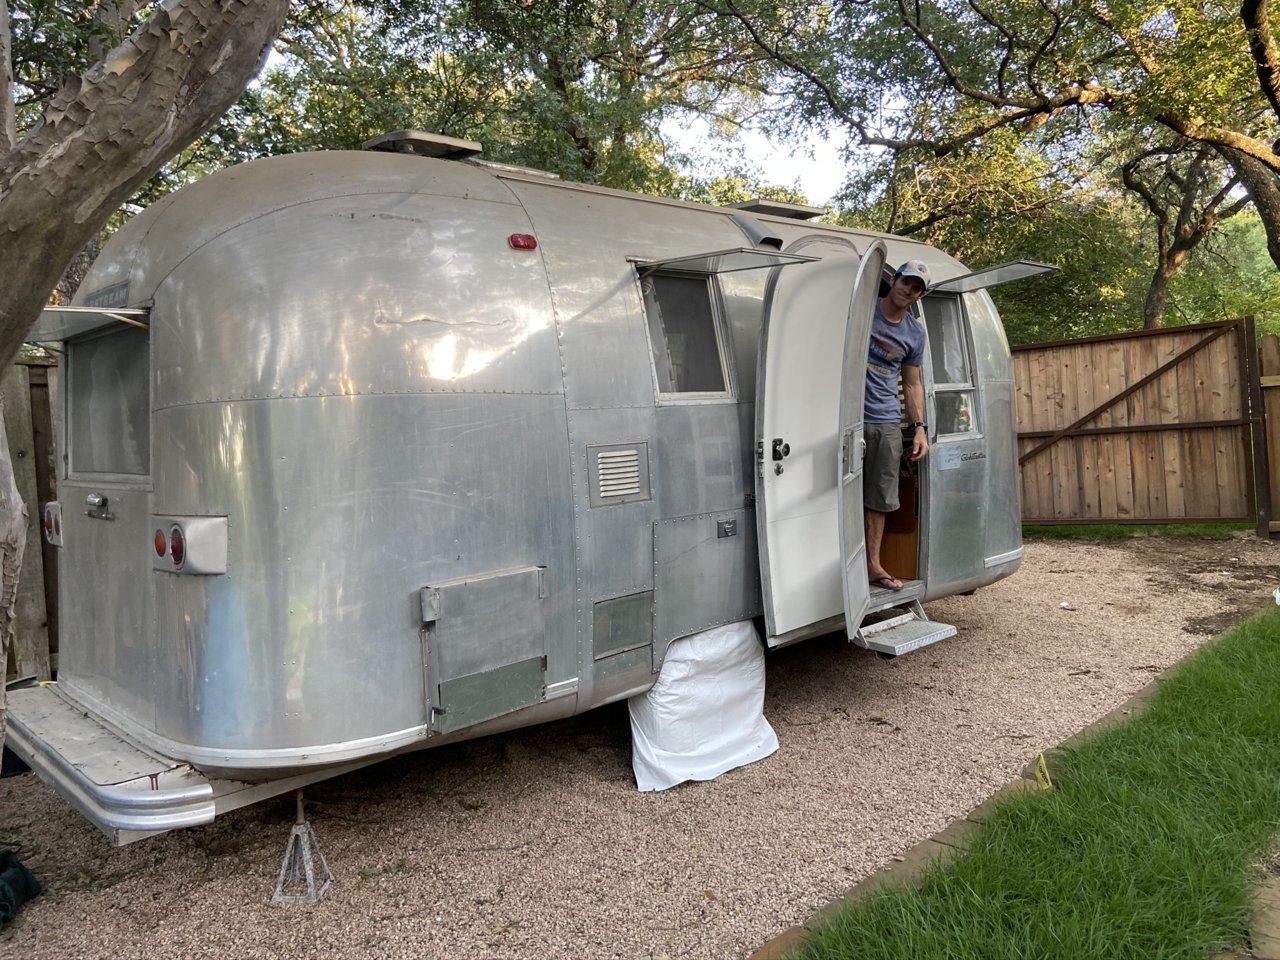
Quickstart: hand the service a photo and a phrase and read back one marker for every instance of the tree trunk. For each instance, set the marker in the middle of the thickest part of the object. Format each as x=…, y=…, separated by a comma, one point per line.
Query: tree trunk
x=13, y=542
x=1157, y=298
x=1158, y=293
x=1263, y=187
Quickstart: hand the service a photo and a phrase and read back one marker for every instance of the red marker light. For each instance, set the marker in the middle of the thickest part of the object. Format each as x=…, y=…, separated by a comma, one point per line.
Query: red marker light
x=48, y=523
x=57, y=524
x=162, y=543
x=177, y=546
x=523, y=241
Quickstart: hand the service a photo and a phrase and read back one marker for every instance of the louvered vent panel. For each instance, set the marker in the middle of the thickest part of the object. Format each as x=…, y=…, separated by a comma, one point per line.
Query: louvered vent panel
x=618, y=473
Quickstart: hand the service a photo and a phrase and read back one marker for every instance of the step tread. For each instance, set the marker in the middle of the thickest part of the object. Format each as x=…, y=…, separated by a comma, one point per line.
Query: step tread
x=910, y=635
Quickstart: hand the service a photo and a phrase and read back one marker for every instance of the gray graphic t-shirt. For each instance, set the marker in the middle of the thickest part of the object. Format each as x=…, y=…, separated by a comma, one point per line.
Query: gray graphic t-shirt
x=892, y=345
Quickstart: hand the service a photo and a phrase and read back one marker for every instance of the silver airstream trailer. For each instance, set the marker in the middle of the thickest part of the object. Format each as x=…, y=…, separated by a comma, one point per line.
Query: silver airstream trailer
x=365, y=452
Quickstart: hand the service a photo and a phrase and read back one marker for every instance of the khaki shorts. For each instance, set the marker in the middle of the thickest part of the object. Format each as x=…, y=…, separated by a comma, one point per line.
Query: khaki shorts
x=881, y=466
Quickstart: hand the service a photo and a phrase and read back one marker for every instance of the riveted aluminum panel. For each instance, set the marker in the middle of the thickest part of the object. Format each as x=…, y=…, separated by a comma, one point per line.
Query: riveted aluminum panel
x=469, y=700
x=957, y=503
x=485, y=622
x=622, y=623
x=370, y=295
x=599, y=312
x=106, y=616
x=152, y=244
x=613, y=543
x=702, y=578
x=703, y=457
x=625, y=674
x=329, y=546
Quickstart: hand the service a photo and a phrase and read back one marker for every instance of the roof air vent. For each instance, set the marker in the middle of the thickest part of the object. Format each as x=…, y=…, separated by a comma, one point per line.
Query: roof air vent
x=424, y=145
x=776, y=208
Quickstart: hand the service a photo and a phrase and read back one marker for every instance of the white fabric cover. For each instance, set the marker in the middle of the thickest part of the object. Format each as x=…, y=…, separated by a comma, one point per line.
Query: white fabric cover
x=705, y=715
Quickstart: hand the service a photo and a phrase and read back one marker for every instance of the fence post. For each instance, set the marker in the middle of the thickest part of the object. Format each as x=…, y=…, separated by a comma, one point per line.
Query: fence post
x=1258, y=439
x=31, y=633
x=1270, y=389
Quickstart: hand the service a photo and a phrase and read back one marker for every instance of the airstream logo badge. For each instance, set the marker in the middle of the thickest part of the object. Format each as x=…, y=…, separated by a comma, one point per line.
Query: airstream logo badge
x=976, y=455
x=116, y=295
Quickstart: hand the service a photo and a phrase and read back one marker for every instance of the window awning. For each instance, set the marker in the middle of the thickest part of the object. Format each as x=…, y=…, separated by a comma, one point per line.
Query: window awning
x=62, y=323
x=722, y=261
x=993, y=276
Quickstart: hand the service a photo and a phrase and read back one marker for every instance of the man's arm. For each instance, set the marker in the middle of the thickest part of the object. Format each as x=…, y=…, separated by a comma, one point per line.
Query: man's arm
x=913, y=392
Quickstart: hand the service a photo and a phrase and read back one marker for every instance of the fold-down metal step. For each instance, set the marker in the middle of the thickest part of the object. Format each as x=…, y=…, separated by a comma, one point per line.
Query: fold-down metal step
x=903, y=632
x=125, y=791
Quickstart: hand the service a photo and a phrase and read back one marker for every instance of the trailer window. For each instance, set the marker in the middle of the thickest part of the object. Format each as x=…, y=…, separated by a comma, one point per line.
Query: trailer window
x=952, y=372
x=688, y=355
x=109, y=403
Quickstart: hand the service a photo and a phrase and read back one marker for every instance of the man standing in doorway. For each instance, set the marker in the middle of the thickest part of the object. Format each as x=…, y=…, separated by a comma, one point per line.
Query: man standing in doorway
x=897, y=349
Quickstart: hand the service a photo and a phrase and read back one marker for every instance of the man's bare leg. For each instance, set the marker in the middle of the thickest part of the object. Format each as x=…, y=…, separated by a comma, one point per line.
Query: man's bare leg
x=874, y=530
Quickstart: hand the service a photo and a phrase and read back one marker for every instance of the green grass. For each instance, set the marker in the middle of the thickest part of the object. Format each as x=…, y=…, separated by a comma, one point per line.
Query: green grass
x=1145, y=849
x=1117, y=531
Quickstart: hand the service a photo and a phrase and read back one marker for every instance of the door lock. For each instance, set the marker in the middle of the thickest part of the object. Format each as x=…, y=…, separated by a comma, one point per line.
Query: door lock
x=780, y=449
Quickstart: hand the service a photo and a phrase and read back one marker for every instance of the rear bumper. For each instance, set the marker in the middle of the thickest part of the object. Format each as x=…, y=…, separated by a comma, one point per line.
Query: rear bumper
x=127, y=792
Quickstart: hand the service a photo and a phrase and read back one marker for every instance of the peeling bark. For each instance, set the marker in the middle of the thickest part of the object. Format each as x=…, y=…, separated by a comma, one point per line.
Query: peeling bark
x=102, y=135
x=13, y=543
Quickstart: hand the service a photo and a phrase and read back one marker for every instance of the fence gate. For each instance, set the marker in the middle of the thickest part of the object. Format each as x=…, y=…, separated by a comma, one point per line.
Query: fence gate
x=1157, y=426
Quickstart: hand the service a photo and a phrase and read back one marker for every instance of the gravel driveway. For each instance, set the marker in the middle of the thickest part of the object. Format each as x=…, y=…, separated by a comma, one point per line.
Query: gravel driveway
x=536, y=844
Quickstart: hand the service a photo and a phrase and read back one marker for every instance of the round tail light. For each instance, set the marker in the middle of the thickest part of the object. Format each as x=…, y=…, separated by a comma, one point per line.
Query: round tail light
x=48, y=523
x=57, y=524
x=177, y=546
x=162, y=543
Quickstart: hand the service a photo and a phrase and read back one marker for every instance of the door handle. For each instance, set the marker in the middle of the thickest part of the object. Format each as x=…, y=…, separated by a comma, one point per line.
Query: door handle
x=97, y=505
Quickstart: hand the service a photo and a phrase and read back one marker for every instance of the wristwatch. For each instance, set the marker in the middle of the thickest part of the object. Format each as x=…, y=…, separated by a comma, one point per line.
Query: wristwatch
x=919, y=425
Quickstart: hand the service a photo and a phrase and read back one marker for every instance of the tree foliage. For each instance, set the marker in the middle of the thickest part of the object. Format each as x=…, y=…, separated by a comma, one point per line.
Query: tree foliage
x=580, y=88
x=943, y=88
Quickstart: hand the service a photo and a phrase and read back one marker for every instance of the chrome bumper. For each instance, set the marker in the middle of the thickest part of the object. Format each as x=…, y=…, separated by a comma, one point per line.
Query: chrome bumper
x=127, y=792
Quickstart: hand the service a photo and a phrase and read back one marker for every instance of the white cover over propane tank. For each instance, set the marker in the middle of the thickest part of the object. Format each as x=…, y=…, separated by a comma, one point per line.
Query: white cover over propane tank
x=705, y=714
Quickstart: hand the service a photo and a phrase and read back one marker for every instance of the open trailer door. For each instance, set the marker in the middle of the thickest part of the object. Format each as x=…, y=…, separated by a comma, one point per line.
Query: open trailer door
x=802, y=366
x=853, y=542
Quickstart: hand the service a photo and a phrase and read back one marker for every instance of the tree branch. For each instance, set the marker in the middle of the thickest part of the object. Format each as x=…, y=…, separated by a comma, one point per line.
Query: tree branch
x=105, y=132
x=1262, y=45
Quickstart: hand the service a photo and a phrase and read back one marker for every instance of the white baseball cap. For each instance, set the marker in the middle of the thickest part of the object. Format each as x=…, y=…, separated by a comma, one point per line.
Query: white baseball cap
x=915, y=268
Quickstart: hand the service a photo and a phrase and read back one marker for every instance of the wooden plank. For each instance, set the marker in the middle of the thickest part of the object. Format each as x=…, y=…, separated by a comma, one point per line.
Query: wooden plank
x=1195, y=465
x=31, y=638
x=1148, y=482
x=1105, y=356
x=1054, y=453
x=1088, y=398
x=46, y=490
x=1228, y=468
x=1171, y=443
x=1269, y=358
x=1028, y=389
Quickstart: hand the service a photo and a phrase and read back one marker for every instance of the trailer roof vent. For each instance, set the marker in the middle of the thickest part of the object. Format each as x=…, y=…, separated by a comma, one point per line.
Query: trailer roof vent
x=424, y=145
x=777, y=208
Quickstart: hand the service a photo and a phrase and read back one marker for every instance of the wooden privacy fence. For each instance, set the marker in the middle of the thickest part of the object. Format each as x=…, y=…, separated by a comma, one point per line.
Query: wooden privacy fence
x=29, y=426
x=1157, y=426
